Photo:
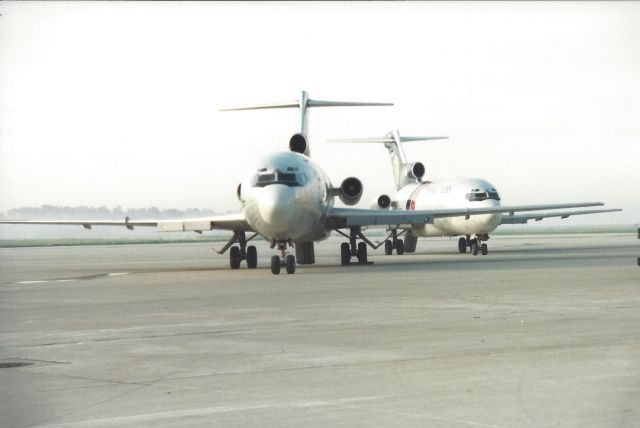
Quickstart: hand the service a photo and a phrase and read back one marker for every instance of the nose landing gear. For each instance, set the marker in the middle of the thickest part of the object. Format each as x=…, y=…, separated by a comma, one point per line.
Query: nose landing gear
x=474, y=243
x=288, y=261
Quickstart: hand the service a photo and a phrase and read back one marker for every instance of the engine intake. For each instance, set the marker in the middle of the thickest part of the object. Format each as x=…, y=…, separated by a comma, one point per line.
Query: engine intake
x=298, y=144
x=350, y=191
x=415, y=170
x=382, y=202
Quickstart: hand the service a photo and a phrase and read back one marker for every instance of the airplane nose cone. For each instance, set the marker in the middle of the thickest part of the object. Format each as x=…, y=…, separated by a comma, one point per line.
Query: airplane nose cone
x=490, y=221
x=276, y=204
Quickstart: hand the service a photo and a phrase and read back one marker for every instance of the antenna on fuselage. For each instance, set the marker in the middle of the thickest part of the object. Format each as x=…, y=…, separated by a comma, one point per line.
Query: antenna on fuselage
x=298, y=142
x=404, y=172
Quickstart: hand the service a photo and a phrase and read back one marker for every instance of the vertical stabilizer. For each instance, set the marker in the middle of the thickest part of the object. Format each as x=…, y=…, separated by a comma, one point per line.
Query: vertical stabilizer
x=404, y=172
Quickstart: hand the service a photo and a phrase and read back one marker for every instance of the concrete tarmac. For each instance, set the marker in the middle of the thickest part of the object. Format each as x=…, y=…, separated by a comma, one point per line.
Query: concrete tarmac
x=543, y=331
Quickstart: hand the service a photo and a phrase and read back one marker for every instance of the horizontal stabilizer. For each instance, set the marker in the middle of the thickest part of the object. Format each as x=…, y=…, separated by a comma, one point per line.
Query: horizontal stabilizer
x=303, y=104
x=309, y=103
x=286, y=104
x=384, y=140
x=318, y=103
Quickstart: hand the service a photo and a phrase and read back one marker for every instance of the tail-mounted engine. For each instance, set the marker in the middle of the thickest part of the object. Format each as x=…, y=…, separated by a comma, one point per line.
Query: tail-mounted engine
x=350, y=191
x=414, y=170
x=298, y=143
x=239, y=192
x=382, y=202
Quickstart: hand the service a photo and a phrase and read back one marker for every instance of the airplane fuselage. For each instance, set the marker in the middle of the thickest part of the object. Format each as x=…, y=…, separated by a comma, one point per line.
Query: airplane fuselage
x=286, y=197
x=451, y=194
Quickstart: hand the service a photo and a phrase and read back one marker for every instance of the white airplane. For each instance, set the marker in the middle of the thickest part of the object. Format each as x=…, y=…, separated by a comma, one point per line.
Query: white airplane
x=415, y=194
x=287, y=199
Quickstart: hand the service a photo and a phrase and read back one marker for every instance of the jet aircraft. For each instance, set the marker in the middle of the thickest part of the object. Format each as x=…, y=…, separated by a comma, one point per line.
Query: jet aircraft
x=414, y=193
x=288, y=200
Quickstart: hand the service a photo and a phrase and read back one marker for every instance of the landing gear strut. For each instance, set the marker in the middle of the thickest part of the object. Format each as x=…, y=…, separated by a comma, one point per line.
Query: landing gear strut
x=394, y=243
x=240, y=252
x=288, y=261
x=353, y=248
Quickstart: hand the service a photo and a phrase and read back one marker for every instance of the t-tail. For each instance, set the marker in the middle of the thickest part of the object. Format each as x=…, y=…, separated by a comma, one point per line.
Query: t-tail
x=299, y=142
x=404, y=172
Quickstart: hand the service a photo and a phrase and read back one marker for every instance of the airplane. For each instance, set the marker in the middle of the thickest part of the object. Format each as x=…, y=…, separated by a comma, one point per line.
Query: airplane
x=288, y=200
x=415, y=193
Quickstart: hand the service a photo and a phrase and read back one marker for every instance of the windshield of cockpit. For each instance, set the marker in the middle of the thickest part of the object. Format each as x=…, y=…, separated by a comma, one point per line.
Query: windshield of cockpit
x=292, y=177
x=481, y=195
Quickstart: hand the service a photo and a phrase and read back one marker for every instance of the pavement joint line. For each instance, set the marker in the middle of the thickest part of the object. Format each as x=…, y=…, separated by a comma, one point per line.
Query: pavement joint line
x=156, y=336
x=74, y=278
x=553, y=349
x=213, y=410
x=429, y=416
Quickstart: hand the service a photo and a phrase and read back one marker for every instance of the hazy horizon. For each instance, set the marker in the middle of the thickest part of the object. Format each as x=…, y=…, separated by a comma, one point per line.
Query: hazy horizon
x=116, y=103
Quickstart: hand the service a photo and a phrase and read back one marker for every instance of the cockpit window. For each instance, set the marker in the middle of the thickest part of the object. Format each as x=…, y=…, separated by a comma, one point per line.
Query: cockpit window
x=265, y=178
x=478, y=195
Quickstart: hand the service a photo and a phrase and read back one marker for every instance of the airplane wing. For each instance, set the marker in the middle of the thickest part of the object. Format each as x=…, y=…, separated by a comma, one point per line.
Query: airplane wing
x=235, y=222
x=348, y=217
x=524, y=218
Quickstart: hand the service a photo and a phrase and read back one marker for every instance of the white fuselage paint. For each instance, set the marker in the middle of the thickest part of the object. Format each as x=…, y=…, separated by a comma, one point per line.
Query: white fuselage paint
x=283, y=212
x=298, y=213
x=449, y=194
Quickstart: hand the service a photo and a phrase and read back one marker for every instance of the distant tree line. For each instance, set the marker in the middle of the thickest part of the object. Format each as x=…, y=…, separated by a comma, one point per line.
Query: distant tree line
x=54, y=212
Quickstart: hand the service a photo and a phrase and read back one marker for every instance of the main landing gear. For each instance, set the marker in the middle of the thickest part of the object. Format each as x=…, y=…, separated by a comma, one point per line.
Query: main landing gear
x=288, y=261
x=474, y=244
x=353, y=248
x=394, y=244
x=240, y=252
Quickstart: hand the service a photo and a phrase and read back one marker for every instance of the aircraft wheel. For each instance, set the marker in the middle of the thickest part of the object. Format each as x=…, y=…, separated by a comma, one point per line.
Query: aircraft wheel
x=362, y=253
x=275, y=265
x=388, y=247
x=484, y=249
x=474, y=248
x=400, y=247
x=290, y=263
x=345, y=254
x=462, y=245
x=252, y=257
x=234, y=257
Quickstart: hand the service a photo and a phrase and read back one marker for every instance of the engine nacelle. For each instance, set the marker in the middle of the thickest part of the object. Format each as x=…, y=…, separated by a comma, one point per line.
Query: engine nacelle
x=239, y=192
x=298, y=143
x=350, y=191
x=382, y=202
x=414, y=170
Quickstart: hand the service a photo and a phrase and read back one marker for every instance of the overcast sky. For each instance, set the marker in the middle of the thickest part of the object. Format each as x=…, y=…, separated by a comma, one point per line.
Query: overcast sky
x=114, y=103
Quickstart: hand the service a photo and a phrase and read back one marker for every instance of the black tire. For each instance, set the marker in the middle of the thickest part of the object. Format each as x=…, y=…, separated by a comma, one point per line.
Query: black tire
x=362, y=253
x=275, y=265
x=474, y=248
x=345, y=253
x=462, y=245
x=290, y=264
x=400, y=247
x=484, y=249
x=234, y=257
x=252, y=257
x=388, y=247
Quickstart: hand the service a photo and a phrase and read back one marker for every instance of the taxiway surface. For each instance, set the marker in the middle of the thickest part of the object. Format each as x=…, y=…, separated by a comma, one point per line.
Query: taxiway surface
x=543, y=331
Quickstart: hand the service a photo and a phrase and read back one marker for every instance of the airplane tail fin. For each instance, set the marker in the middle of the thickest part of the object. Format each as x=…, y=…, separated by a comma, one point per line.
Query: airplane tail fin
x=298, y=142
x=404, y=172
